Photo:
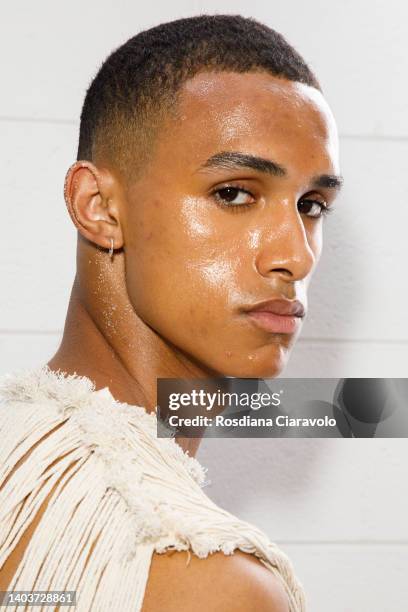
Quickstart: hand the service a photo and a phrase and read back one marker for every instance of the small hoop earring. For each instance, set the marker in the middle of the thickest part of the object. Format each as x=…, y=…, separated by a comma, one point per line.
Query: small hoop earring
x=111, y=249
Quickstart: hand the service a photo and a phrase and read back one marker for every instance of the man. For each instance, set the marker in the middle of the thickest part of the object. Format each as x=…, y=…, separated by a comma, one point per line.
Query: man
x=207, y=159
x=211, y=185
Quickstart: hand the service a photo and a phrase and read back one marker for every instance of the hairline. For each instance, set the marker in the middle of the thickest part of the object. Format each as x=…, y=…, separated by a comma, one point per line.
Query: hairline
x=168, y=108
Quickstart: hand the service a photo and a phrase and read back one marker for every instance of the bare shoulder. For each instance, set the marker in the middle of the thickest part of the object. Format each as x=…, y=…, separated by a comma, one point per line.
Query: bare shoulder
x=218, y=583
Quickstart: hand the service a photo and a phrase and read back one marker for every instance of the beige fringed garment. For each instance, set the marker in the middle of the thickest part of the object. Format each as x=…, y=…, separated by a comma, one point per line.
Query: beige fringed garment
x=119, y=487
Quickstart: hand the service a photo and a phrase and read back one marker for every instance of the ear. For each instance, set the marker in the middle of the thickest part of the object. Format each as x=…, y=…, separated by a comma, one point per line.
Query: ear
x=92, y=198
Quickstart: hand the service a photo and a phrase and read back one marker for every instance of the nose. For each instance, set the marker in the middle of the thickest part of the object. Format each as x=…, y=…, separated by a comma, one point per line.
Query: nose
x=285, y=247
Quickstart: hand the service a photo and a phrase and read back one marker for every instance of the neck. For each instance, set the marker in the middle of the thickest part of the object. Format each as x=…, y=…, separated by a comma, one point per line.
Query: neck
x=106, y=341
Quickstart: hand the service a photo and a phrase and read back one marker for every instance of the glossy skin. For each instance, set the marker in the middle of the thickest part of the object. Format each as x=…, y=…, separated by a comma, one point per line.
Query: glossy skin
x=170, y=303
x=207, y=261
x=186, y=264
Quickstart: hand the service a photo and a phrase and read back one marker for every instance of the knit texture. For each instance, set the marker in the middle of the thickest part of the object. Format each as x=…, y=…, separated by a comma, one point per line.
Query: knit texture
x=122, y=494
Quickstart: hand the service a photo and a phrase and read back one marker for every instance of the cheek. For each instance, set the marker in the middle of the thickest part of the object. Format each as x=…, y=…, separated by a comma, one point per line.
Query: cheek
x=178, y=268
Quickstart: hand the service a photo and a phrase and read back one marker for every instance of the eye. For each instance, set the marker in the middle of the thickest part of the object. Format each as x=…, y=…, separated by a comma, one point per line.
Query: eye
x=233, y=196
x=313, y=208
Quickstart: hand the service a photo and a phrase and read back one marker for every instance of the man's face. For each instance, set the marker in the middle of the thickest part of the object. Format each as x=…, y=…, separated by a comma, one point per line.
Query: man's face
x=206, y=240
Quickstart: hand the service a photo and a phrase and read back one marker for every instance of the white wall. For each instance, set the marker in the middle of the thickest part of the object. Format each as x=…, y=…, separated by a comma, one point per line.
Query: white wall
x=336, y=506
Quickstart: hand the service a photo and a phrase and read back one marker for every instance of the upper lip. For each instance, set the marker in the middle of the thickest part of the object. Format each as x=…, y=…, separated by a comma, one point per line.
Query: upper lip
x=280, y=307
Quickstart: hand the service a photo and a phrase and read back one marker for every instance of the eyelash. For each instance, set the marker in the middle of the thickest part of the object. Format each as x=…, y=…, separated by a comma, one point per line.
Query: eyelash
x=325, y=210
x=224, y=204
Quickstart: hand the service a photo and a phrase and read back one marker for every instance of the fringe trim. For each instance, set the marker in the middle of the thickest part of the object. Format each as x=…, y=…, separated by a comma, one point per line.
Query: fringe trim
x=121, y=491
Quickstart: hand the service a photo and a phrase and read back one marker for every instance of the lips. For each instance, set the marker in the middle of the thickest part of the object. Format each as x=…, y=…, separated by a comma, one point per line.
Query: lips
x=280, y=307
x=277, y=315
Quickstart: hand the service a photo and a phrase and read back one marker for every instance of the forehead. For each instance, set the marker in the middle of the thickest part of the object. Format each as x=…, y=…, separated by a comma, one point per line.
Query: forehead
x=254, y=112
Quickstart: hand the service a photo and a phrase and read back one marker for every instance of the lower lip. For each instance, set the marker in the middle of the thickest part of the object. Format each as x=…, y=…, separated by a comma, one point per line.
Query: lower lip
x=271, y=322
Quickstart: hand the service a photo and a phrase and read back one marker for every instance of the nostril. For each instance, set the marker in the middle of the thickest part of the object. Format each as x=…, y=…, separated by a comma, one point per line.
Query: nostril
x=285, y=270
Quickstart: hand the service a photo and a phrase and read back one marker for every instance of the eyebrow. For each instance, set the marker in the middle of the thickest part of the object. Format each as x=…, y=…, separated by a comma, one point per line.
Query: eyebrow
x=328, y=181
x=231, y=160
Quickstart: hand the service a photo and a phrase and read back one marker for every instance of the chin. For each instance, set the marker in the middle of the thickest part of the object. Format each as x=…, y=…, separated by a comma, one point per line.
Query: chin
x=257, y=365
x=267, y=371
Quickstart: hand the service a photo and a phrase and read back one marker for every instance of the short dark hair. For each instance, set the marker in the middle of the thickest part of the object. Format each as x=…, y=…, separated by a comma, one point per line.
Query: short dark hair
x=141, y=78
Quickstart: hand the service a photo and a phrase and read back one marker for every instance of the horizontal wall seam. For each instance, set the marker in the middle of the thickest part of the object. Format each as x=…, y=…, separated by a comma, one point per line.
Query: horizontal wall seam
x=63, y=121
x=305, y=340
